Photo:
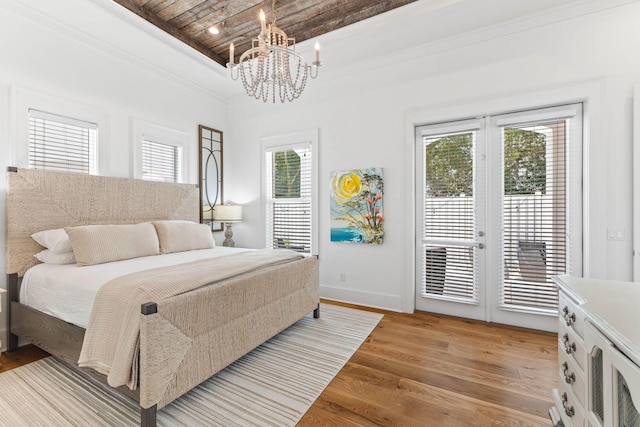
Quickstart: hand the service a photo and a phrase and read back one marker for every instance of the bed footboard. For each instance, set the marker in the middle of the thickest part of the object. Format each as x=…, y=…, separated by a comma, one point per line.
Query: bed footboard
x=188, y=338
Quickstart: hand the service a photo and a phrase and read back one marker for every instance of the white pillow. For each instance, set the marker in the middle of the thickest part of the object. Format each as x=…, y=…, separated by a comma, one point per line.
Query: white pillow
x=57, y=240
x=49, y=257
x=96, y=244
x=179, y=236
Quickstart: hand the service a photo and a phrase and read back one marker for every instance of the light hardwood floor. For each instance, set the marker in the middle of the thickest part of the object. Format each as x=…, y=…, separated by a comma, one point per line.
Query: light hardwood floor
x=430, y=370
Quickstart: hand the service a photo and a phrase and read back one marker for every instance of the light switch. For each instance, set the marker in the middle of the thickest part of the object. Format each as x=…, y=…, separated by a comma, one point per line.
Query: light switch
x=615, y=233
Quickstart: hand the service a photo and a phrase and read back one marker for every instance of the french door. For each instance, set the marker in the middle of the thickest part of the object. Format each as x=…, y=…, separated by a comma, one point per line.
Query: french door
x=498, y=213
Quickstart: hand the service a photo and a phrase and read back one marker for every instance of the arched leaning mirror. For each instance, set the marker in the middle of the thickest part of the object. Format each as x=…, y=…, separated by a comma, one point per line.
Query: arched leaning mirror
x=210, y=174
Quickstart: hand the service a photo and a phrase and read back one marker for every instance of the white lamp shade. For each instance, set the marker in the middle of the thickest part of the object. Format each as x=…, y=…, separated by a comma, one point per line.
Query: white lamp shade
x=207, y=213
x=227, y=213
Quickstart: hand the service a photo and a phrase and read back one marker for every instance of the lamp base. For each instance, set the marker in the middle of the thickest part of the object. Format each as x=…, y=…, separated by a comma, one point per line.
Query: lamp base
x=228, y=234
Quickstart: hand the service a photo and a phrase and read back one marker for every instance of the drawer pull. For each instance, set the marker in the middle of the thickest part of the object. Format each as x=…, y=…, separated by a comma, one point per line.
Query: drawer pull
x=569, y=378
x=569, y=348
x=569, y=410
x=569, y=319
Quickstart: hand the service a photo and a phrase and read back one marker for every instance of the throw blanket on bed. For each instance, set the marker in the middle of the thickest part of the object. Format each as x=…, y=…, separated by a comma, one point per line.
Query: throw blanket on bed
x=112, y=340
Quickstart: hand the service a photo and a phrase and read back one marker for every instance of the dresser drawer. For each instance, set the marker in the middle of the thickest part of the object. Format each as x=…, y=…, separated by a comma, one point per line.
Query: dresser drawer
x=571, y=346
x=571, y=412
x=573, y=377
x=570, y=316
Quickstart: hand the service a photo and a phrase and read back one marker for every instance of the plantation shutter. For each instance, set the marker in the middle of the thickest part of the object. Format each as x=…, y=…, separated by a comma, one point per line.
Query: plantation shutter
x=161, y=162
x=289, y=188
x=60, y=143
x=450, y=220
x=537, y=154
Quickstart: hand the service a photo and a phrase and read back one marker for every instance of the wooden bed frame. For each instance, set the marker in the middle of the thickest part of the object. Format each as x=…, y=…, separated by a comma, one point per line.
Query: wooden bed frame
x=91, y=202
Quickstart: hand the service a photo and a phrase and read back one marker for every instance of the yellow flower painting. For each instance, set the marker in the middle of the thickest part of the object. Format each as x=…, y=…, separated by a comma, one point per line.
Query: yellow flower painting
x=356, y=206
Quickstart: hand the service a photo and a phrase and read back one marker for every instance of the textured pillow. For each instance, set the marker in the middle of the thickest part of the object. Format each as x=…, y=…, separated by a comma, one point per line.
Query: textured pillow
x=49, y=257
x=97, y=244
x=178, y=236
x=57, y=240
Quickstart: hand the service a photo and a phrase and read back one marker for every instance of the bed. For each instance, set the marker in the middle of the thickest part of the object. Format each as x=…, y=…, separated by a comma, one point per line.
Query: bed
x=209, y=305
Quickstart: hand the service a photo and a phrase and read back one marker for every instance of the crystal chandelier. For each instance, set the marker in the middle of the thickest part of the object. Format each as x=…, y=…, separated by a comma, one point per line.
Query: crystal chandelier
x=272, y=69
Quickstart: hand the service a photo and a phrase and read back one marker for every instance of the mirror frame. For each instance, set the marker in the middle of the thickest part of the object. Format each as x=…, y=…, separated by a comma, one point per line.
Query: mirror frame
x=211, y=184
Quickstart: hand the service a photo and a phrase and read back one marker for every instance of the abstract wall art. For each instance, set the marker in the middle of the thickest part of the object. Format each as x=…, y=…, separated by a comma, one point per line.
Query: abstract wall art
x=356, y=206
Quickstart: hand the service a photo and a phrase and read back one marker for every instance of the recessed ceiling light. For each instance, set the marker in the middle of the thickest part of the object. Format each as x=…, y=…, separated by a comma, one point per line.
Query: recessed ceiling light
x=214, y=30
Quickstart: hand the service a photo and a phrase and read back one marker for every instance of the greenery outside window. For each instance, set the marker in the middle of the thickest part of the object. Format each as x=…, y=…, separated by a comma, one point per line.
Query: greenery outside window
x=289, y=192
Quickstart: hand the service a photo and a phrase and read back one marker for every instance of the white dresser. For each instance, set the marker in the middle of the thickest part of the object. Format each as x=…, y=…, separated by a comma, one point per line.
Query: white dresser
x=598, y=353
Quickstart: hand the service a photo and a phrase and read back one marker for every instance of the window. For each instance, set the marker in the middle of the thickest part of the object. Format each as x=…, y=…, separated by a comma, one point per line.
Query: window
x=161, y=162
x=61, y=143
x=160, y=152
x=289, y=174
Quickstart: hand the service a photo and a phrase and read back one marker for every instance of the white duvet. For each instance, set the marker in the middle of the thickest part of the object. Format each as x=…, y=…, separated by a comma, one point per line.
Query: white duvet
x=67, y=291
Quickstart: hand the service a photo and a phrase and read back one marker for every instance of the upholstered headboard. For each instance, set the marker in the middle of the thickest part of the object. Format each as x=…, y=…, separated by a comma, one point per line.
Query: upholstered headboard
x=41, y=200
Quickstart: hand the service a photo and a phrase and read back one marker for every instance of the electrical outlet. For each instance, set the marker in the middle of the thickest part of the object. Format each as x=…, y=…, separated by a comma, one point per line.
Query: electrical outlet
x=343, y=277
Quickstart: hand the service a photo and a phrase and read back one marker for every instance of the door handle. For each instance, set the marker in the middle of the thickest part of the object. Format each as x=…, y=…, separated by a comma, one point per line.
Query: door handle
x=445, y=242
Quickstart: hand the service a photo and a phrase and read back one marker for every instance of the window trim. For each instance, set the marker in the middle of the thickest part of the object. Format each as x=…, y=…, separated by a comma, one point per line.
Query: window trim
x=142, y=129
x=22, y=100
x=51, y=133
x=292, y=141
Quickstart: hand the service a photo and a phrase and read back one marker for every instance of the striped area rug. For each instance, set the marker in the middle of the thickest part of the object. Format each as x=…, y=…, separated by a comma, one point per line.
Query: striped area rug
x=274, y=385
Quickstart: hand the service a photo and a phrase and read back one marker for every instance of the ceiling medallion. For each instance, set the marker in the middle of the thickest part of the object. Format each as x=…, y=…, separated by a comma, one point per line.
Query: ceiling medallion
x=272, y=69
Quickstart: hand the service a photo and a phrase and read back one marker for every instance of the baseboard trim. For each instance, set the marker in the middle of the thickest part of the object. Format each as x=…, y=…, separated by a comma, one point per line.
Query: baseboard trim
x=369, y=299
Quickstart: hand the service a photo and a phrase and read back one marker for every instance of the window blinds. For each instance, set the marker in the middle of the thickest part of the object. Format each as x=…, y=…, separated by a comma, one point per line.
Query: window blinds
x=449, y=216
x=535, y=208
x=289, y=186
x=161, y=162
x=61, y=143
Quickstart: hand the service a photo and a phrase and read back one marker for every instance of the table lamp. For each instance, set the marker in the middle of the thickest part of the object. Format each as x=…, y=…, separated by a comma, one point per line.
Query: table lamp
x=228, y=214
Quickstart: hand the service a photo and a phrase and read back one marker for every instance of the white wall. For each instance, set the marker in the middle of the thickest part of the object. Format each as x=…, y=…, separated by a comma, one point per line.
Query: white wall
x=76, y=53
x=371, y=90
x=365, y=111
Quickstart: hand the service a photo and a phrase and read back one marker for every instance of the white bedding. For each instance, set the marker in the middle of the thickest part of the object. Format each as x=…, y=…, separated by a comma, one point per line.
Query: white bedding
x=67, y=291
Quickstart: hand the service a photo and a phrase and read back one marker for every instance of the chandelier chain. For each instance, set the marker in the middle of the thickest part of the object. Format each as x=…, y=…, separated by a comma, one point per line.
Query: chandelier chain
x=273, y=11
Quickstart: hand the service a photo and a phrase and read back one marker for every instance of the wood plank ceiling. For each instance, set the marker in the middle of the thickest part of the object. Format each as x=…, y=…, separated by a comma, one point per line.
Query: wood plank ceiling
x=237, y=20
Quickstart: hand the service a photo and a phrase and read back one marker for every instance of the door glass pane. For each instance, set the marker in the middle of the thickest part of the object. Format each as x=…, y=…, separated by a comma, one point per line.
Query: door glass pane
x=534, y=202
x=449, y=217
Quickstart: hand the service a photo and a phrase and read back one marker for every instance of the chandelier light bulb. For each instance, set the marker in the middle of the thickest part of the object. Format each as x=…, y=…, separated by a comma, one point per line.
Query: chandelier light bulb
x=272, y=69
x=263, y=21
